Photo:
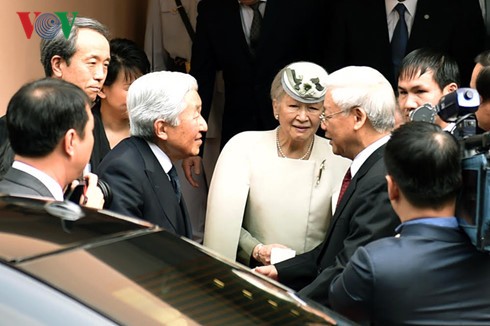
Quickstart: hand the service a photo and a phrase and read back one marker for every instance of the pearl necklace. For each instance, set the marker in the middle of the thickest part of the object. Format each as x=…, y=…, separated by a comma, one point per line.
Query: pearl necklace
x=279, y=148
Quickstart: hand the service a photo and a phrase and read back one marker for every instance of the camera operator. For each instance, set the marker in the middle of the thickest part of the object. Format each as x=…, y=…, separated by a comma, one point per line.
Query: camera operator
x=425, y=76
x=50, y=129
x=431, y=273
x=483, y=88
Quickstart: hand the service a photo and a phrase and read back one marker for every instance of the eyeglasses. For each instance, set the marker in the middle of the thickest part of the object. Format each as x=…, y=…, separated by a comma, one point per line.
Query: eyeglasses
x=324, y=117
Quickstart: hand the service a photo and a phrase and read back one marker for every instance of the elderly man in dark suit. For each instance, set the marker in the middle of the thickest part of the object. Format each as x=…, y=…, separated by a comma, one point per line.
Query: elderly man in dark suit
x=361, y=32
x=359, y=116
x=50, y=128
x=431, y=273
x=166, y=125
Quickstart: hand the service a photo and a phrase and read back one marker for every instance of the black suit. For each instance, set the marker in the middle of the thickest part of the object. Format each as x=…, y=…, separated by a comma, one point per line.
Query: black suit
x=289, y=33
x=358, y=34
x=429, y=275
x=17, y=182
x=364, y=214
x=141, y=187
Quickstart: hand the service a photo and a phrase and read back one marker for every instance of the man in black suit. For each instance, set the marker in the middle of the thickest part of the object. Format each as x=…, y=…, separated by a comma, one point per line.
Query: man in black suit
x=431, y=273
x=166, y=124
x=289, y=32
x=359, y=116
x=81, y=59
x=360, y=32
x=50, y=128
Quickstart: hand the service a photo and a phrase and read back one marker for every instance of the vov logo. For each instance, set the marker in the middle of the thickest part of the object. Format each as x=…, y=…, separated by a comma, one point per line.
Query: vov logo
x=46, y=24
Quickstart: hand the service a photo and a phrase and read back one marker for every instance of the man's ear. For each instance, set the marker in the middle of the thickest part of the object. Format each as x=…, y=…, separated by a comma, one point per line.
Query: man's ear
x=393, y=190
x=160, y=127
x=69, y=142
x=57, y=64
x=449, y=88
x=360, y=117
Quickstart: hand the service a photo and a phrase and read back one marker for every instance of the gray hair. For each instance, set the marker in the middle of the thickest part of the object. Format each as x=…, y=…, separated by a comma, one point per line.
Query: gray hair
x=277, y=91
x=157, y=95
x=367, y=88
x=66, y=48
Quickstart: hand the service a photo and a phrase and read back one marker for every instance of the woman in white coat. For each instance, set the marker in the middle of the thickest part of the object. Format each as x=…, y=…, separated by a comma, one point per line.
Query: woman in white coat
x=274, y=188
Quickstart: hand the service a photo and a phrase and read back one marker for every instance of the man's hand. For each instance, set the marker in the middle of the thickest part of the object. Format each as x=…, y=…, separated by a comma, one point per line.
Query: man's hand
x=190, y=165
x=92, y=196
x=270, y=271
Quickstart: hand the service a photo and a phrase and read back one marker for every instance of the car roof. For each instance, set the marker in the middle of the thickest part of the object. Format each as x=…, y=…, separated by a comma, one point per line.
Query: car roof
x=32, y=227
x=135, y=273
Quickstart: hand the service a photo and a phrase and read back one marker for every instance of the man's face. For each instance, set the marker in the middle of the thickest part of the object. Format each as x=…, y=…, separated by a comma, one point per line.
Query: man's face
x=418, y=91
x=338, y=127
x=184, y=140
x=88, y=66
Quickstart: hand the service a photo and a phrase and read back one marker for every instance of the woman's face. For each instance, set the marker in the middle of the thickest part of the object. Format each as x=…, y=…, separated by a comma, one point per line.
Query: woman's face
x=299, y=121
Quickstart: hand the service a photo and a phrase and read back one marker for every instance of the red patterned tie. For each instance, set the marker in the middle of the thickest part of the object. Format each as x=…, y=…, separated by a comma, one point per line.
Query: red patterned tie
x=345, y=185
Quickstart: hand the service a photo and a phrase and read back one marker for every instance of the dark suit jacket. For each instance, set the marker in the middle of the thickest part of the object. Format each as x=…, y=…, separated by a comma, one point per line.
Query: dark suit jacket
x=17, y=182
x=430, y=275
x=364, y=214
x=290, y=32
x=358, y=34
x=141, y=187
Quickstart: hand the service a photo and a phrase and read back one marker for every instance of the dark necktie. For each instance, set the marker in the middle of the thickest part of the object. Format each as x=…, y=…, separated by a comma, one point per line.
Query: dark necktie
x=174, y=179
x=400, y=39
x=255, y=27
x=345, y=185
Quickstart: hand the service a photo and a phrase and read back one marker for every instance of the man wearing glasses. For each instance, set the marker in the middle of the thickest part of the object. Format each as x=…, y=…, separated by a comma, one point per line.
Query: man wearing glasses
x=359, y=116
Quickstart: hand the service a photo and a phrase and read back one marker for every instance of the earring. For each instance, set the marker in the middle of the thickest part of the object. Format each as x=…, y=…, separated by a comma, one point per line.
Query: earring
x=277, y=116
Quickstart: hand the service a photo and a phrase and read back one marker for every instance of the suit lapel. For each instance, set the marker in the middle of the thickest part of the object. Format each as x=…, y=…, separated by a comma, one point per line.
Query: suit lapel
x=159, y=182
x=26, y=180
x=365, y=167
x=163, y=189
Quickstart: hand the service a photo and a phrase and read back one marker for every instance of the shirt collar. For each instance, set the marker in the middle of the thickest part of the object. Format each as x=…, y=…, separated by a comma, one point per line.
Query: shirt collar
x=365, y=153
x=162, y=158
x=411, y=5
x=53, y=186
x=443, y=221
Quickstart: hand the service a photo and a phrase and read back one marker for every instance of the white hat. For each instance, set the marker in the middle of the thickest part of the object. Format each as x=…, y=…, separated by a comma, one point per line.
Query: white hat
x=305, y=81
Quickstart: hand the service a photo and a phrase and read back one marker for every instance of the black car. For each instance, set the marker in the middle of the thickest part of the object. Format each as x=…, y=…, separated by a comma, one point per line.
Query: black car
x=65, y=265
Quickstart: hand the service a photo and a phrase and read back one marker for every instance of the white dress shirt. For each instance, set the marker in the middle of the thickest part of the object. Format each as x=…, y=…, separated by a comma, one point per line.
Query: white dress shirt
x=162, y=158
x=247, y=15
x=392, y=14
x=365, y=153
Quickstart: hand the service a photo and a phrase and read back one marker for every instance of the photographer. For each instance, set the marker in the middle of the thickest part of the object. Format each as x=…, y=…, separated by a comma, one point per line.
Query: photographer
x=425, y=76
x=483, y=88
x=50, y=127
x=430, y=273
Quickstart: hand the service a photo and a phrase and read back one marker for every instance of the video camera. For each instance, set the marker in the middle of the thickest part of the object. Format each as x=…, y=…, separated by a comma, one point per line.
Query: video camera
x=457, y=108
x=473, y=205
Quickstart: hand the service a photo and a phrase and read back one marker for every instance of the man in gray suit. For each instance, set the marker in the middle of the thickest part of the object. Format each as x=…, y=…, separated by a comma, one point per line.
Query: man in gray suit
x=430, y=273
x=50, y=129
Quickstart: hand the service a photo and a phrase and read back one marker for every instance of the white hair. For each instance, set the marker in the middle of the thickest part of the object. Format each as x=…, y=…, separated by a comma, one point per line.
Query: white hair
x=157, y=95
x=367, y=88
